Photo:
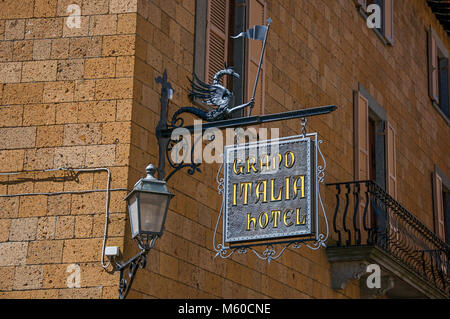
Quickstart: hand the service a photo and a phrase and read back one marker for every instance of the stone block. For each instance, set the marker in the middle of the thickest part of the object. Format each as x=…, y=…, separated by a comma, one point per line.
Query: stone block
x=23, y=229
x=46, y=228
x=11, y=9
x=11, y=160
x=72, y=156
x=14, y=29
x=83, y=226
x=65, y=227
x=98, y=68
x=13, y=253
x=108, y=89
x=62, y=91
x=39, y=71
x=95, y=7
x=42, y=49
x=59, y=204
x=48, y=136
x=10, y=72
x=97, y=111
x=103, y=25
x=100, y=155
x=82, y=134
x=82, y=250
x=117, y=45
x=45, y=252
x=122, y=6
x=70, y=70
x=39, y=114
x=22, y=93
x=6, y=278
x=28, y=277
x=33, y=206
x=45, y=8
x=43, y=28
x=17, y=137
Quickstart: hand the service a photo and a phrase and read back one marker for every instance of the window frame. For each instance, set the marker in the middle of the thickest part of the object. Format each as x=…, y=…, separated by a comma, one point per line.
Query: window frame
x=238, y=49
x=383, y=126
x=439, y=175
x=361, y=6
x=434, y=51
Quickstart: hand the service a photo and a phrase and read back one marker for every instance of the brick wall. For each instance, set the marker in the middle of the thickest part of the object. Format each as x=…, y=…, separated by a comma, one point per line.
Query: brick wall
x=88, y=98
x=66, y=98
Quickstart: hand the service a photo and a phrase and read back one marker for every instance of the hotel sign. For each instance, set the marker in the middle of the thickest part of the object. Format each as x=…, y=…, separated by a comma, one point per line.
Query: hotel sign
x=269, y=190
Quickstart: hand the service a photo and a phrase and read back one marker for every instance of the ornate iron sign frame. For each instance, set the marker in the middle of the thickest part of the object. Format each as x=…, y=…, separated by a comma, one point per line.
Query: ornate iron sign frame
x=226, y=249
x=299, y=163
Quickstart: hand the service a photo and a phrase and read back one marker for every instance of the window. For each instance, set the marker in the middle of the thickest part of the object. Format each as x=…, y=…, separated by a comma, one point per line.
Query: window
x=216, y=21
x=217, y=37
x=386, y=29
x=441, y=200
x=438, y=82
x=375, y=149
x=212, y=31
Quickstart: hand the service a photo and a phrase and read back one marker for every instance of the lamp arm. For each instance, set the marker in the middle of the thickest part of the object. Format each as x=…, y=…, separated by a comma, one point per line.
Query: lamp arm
x=139, y=260
x=132, y=264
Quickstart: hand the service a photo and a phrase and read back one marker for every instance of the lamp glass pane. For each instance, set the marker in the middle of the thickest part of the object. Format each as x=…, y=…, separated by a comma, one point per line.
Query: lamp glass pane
x=133, y=213
x=152, y=209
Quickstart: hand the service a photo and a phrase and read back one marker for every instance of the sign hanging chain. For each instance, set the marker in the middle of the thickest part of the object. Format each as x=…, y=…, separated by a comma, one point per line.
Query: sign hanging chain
x=303, y=122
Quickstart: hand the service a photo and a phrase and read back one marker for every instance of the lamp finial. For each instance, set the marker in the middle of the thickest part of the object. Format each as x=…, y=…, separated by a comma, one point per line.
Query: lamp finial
x=151, y=170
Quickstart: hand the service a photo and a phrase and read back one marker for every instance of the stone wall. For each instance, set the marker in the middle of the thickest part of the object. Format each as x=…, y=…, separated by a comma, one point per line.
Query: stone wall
x=88, y=97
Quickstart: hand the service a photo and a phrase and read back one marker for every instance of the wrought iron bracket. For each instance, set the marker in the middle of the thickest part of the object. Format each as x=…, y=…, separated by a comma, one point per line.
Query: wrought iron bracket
x=132, y=265
x=164, y=129
x=138, y=261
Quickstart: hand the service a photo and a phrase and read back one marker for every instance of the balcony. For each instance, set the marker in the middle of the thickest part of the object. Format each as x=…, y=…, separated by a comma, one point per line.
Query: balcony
x=370, y=227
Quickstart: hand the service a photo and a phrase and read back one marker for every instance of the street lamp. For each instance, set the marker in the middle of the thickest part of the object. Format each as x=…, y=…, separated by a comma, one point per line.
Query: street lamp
x=148, y=204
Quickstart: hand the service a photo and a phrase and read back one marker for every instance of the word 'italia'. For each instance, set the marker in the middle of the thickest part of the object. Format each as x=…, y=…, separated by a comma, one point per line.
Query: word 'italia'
x=269, y=190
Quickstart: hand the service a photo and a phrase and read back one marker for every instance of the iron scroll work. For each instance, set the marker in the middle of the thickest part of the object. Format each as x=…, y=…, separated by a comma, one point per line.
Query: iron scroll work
x=217, y=111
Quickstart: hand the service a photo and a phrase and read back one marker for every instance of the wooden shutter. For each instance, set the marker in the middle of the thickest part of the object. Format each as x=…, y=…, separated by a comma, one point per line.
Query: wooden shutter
x=433, y=86
x=388, y=13
x=391, y=161
x=444, y=85
x=361, y=137
x=439, y=221
x=217, y=27
x=256, y=16
x=361, y=119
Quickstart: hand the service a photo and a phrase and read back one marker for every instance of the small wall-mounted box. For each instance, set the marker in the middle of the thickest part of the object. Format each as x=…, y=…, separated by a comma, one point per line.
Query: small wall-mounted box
x=112, y=251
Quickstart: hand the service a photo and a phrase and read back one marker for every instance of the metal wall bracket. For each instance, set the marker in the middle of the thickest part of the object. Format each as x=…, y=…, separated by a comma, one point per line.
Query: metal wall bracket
x=132, y=265
x=165, y=129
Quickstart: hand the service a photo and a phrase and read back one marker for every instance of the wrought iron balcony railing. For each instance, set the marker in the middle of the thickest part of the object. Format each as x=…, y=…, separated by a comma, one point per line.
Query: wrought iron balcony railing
x=365, y=215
